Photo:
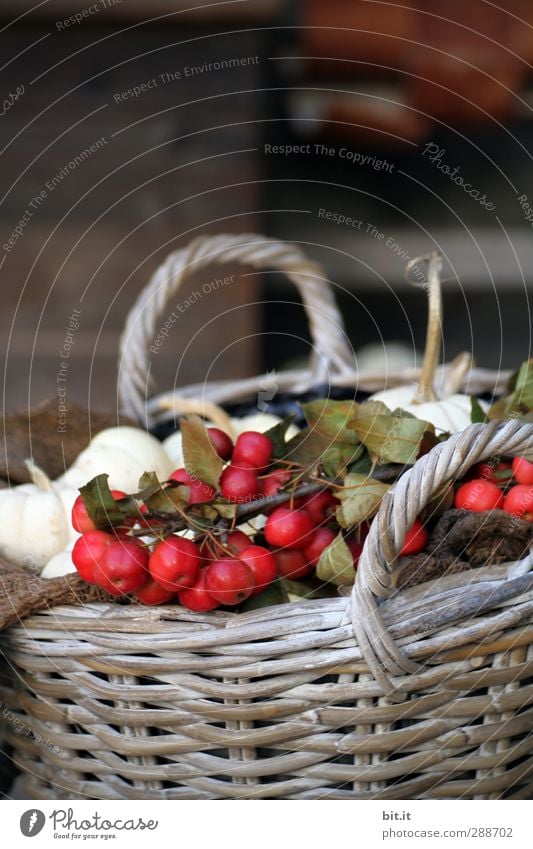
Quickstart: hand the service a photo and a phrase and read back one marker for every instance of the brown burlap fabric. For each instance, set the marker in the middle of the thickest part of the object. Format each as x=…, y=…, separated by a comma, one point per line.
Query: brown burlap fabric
x=23, y=593
x=33, y=434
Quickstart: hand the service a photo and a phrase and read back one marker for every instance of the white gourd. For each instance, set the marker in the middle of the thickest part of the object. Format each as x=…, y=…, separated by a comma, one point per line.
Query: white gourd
x=35, y=517
x=450, y=414
x=34, y=526
x=59, y=565
x=261, y=422
x=449, y=411
x=124, y=453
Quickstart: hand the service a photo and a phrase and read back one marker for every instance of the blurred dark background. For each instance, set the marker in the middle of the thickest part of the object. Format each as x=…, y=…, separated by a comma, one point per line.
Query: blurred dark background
x=387, y=105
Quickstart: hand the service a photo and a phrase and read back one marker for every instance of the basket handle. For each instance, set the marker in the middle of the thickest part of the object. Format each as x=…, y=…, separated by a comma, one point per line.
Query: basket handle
x=399, y=508
x=332, y=355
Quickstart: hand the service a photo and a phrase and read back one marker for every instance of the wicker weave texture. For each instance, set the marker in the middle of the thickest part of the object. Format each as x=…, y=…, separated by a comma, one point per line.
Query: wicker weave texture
x=332, y=358
x=133, y=703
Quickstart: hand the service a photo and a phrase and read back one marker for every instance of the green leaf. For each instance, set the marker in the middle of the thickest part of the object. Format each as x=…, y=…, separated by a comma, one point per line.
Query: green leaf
x=336, y=563
x=331, y=419
x=201, y=459
x=477, y=414
x=204, y=511
x=518, y=403
x=149, y=484
x=498, y=410
x=102, y=508
x=363, y=464
x=310, y=449
x=522, y=397
x=360, y=499
x=310, y=588
x=328, y=441
x=389, y=437
x=277, y=435
x=169, y=498
x=275, y=593
x=225, y=509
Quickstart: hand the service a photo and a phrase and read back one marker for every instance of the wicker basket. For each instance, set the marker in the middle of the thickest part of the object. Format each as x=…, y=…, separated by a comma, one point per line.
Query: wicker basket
x=429, y=701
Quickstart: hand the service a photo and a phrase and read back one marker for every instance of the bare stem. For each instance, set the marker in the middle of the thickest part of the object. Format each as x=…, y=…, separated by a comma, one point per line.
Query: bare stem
x=255, y=508
x=425, y=390
x=171, y=524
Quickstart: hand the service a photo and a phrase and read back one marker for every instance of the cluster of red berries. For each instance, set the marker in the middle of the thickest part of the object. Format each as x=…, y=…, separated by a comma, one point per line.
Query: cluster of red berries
x=208, y=572
x=492, y=486
x=499, y=486
x=225, y=568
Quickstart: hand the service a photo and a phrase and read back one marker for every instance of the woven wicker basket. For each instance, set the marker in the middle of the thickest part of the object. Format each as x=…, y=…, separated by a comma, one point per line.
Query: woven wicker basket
x=429, y=701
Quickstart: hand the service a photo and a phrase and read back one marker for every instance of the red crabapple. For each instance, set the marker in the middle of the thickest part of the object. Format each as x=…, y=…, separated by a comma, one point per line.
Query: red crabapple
x=229, y=581
x=221, y=442
x=286, y=528
x=196, y=597
x=239, y=483
x=175, y=563
x=478, y=495
x=263, y=565
x=199, y=491
x=122, y=568
x=253, y=448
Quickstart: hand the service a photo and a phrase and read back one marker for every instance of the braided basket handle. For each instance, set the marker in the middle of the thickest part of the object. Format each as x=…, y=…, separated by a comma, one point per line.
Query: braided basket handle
x=331, y=356
x=398, y=510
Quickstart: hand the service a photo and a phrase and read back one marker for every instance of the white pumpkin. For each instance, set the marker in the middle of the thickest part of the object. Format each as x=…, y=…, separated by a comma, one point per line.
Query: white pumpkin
x=33, y=525
x=449, y=411
x=59, y=565
x=450, y=414
x=124, y=453
x=261, y=422
x=174, y=450
x=35, y=517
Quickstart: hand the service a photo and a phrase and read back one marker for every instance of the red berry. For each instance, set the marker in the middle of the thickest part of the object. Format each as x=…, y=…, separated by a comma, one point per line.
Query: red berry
x=519, y=502
x=221, y=442
x=196, y=597
x=320, y=506
x=214, y=549
x=361, y=532
x=273, y=482
x=261, y=562
x=239, y=483
x=238, y=541
x=254, y=449
x=175, y=563
x=320, y=540
x=122, y=567
x=491, y=472
x=81, y=520
x=292, y=564
x=199, y=492
x=286, y=528
x=415, y=540
x=88, y=550
x=229, y=581
x=523, y=471
x=356, y=549
x=153, y=593
x=478, y=495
